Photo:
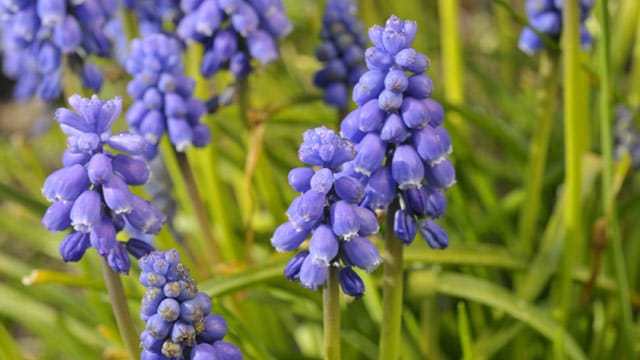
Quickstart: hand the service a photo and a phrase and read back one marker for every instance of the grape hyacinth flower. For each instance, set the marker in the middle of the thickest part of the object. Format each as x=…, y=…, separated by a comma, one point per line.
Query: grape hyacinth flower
x=152, y=15
x=163, y=95
x=179, y=323
x=401, y=143
x=38, y=35
x=233, y=32
x=545, y=16
x=90, y=194
x=327, y=211
x=341, y=52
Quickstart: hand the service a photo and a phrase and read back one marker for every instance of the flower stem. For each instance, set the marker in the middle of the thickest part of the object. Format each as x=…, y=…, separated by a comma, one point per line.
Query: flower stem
x=546, y=101
x=331, y=315
x=392, y=291
x=198, y=206
x=129, y=23
x=120, y=307
x=452, y=58
x=256, y=125
x=573, y=155
x=608, y=206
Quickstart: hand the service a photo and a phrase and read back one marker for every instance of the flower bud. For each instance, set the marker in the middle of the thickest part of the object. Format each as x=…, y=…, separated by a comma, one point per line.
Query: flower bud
x=74, y=245
x=350, y=282
x=362, y=253
x=404, y=226
x=323, y=246
x=86, y=211
x=435, y=236
x=406, y=167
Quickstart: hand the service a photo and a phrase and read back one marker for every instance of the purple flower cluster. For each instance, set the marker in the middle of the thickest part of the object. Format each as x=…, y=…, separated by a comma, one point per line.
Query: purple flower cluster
x=153, y=14
x=402, y=146
x=626, y=137
x=179, y=323
x=341, y=51
x=545, y=16
x=233, y=32
x=39, y=34
x=327, y=210
x=163, y=95
x=91, y=192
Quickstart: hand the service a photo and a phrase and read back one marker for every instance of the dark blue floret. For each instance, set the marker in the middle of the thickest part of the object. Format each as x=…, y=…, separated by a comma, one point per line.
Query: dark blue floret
x=179, y=323
x=91, y=193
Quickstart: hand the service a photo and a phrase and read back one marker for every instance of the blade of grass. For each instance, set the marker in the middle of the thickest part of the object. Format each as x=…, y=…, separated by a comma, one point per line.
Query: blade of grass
x=608, y=199
x=573, y=157
x=9, y=348
x=497, y=297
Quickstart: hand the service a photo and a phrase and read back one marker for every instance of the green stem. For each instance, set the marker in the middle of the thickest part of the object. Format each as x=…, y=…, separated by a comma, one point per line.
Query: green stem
x=129, y=23
x=452, y=57
x=120, y=307
x=634, y=81
x=217, y=199
x=538, y=149
x=254, y=148
x=608, y=207
x=331, y=315
x=573, y=156
x=622, y=33
x=390, y=333
x=199, y=209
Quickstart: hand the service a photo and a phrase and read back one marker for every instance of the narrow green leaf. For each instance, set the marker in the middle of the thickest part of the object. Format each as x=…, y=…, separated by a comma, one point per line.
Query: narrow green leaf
x=492, y=295
x=257, y=274
x=21, y=197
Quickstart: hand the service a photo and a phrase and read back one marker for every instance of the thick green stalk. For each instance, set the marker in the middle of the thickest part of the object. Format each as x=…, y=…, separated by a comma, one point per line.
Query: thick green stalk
x=538, y=149
x=125, y=323
x=213, y=251
x=452, y=57
x=622, y=33
x=608, y=207
x=129, y=23
x=390, y=333
x=573, y=156
x=331, y=315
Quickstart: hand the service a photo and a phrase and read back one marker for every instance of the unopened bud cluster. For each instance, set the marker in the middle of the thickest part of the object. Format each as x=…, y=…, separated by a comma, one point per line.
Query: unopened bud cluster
x=179, y=323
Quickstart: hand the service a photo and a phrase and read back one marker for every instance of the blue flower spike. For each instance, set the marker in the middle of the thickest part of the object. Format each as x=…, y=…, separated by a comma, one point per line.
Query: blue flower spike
x=402, y=147
x=341, y=52
x=545, y=17
x=179, y=323
x=91, y=194
x=329, y=215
